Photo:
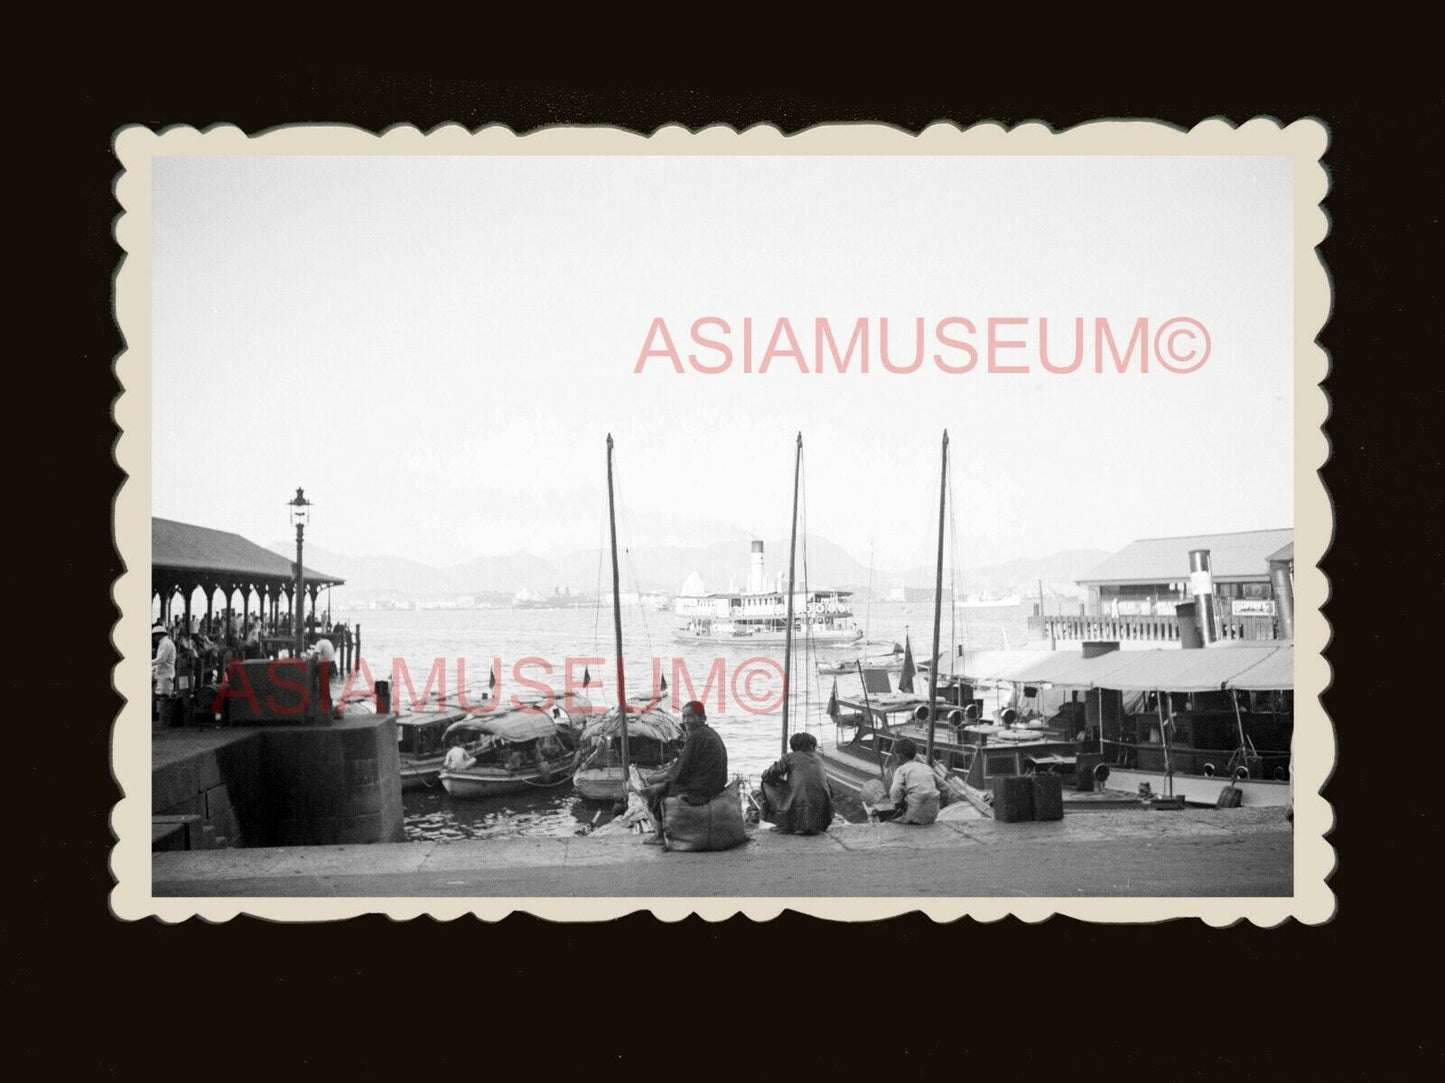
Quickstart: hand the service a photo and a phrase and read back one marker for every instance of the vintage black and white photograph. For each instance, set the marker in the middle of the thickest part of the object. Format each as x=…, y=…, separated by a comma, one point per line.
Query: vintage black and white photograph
x=857, y=521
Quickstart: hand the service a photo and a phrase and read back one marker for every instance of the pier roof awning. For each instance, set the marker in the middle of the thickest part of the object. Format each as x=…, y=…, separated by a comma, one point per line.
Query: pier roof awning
x=1273, y=674
x=1204, y=670
x=183, y=551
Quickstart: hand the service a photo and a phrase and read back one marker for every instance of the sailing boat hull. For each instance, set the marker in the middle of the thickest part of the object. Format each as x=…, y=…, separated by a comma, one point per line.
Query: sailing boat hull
x=601, y=783
x=478, y=782
x=767, y=638
x=419, y=773
x=844, y=668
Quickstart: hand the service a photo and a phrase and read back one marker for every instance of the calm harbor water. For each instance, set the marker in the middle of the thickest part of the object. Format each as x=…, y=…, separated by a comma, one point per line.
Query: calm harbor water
x=536, y=645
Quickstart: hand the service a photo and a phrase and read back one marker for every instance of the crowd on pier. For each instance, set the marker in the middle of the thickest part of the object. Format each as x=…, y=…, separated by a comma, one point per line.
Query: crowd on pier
x=189, y=658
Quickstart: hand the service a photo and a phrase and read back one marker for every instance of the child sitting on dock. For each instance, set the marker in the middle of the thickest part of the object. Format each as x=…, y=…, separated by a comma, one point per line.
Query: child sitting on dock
x=914, y=790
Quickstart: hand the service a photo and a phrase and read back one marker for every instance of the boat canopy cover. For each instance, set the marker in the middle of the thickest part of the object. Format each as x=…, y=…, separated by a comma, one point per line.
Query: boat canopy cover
x=1273, y=674
x=429, y=718
x=655, y=725
x=1071, y=668
x=1203, y=670
x=989, y=665
x=513, y=726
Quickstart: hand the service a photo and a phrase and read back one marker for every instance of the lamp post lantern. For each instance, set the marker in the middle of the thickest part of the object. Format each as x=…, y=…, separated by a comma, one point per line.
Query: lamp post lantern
x=300, y=516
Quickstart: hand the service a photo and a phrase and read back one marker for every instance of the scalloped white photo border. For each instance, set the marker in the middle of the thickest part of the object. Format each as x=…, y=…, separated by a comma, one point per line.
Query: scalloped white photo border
x=1303, y=141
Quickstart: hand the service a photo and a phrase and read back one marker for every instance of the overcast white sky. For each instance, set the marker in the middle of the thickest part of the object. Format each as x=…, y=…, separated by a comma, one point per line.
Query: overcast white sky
x=459, y=335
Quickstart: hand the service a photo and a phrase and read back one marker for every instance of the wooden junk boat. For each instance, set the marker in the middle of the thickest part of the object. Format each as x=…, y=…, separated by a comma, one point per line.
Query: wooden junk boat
x=638, y=733
x=947, y=727
x=419, y=737
x=654, y=740
x=968, y=754
x=514, y=750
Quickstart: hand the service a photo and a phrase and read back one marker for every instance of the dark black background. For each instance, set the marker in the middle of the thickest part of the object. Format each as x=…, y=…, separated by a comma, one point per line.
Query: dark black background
x=1005, y=997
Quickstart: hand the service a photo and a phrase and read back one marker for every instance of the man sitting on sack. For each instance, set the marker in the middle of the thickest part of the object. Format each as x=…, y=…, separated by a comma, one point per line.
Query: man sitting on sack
x=697, y=776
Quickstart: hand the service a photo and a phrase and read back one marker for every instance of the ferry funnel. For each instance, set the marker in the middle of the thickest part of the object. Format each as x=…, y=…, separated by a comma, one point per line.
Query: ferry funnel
x=1283, y=584
x=1201, y=585
x=756, y=582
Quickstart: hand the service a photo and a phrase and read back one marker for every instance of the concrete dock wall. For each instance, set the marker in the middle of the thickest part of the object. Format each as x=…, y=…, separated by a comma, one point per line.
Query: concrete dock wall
x=332, y=784
x=278, y=785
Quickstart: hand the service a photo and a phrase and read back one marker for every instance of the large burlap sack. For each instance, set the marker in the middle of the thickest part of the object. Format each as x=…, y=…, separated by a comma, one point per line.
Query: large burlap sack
x=717, y=825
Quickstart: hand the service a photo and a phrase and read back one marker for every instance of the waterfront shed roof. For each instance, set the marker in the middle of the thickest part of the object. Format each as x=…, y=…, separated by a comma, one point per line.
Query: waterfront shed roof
x=1242, y=555
x=203, y=552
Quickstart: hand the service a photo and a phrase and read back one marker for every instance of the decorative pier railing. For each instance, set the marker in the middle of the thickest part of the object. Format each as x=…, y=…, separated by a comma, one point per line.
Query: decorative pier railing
x=1139, y=629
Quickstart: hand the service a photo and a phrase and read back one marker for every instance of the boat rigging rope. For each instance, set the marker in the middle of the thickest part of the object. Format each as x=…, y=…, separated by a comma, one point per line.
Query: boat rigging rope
x=597, y=595
x=868, y=612
x=953, y=566
x=808, y=640
x=624, y=531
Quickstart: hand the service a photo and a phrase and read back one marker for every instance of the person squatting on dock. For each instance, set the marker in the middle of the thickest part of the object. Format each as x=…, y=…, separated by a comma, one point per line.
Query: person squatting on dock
x=914, y=790
x=796, y=796
x=698, y=775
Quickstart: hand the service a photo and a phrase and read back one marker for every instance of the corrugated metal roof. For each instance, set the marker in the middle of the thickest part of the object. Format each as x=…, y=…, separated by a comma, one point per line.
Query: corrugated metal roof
x=1243, y=555
x=1272, y=674
x=219, y=552
x=1203, y=670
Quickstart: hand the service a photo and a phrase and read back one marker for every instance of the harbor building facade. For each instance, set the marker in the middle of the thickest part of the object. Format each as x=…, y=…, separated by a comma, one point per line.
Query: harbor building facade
x=1155, y=591
x=1151, y=576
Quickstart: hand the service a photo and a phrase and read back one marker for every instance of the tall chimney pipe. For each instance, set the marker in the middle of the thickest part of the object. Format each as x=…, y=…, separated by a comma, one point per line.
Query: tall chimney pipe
x=1201, y=586
x=1283, y=583
x=756, y=583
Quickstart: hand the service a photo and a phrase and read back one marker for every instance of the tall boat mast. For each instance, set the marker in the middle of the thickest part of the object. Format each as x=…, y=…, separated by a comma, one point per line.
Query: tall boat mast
x=617, y=609
x=937, y=602
x=792, y=558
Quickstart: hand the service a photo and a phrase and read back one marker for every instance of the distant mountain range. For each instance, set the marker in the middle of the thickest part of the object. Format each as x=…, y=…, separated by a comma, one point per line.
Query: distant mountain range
x=722, y=565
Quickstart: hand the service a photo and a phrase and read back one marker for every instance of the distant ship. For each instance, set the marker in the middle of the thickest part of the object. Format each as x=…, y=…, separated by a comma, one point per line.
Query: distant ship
x=973, y=601
x=759, y=615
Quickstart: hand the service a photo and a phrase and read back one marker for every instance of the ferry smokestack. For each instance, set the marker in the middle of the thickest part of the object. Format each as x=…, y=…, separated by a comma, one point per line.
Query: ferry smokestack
x=756, y=582
x=1283, y=582
x=1201, y=586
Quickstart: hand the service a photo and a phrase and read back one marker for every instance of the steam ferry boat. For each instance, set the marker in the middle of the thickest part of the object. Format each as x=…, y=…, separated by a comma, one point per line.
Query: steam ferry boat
x=759, y=615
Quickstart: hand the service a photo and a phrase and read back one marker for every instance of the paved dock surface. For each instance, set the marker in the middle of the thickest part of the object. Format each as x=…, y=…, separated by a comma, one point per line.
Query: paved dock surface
x=1234, y=852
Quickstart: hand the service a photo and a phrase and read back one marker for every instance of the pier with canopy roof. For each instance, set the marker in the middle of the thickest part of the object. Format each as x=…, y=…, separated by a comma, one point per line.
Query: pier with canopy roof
x=186, y=558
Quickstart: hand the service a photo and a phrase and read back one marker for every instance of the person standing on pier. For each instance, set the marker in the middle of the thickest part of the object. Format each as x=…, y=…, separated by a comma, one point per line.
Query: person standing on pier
x=325, y=653
x=163, y=671
x=698, y=775
x=914, y=790
x=797, y=799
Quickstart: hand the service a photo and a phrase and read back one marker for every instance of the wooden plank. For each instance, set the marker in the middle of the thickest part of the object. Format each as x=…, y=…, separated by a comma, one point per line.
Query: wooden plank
x=635, y=784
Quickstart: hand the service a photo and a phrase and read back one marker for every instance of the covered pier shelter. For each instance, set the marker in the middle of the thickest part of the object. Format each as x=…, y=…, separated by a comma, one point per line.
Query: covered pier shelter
x=185, y=558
